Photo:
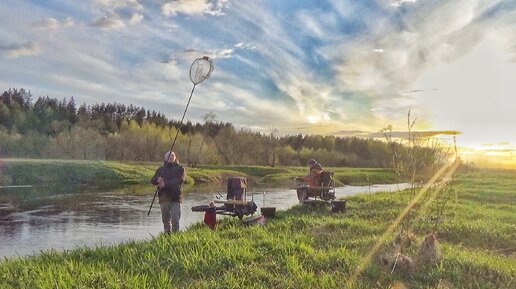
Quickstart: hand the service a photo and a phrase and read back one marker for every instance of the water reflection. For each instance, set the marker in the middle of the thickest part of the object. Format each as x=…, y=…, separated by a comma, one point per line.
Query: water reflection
x=32, y=220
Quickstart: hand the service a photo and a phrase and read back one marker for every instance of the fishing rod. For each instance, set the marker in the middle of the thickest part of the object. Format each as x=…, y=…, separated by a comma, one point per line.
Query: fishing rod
x=200, y=70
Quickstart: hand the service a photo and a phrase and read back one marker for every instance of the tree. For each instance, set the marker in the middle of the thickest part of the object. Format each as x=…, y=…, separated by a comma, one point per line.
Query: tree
x=297, y=142
x=208, y=118
x=71, y=111
x=225, y=144
x=272, y=144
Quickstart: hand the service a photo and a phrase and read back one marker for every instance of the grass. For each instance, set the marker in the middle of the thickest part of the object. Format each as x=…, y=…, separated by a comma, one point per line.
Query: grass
x=304, y=247
x=108, y=173
x=343, y=176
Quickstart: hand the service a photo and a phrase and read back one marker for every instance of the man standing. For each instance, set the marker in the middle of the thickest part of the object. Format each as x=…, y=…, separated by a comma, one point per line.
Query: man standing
x=170, y=179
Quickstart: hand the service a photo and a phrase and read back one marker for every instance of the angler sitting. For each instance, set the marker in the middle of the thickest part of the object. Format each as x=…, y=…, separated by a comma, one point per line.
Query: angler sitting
x=314, y=174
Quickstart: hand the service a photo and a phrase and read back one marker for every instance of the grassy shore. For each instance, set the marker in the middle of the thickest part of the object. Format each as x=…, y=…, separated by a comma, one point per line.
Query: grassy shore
x=107, y=173
x=304, y=247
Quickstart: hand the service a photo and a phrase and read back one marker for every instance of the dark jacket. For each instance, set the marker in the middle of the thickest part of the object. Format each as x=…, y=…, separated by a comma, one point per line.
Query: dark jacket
x=173, y=175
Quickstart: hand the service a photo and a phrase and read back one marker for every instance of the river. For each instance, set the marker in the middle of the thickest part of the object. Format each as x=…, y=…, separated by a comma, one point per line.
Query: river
x=32, y=220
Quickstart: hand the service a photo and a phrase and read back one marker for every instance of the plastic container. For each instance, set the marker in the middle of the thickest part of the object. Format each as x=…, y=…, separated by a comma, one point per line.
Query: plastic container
x=268, y=212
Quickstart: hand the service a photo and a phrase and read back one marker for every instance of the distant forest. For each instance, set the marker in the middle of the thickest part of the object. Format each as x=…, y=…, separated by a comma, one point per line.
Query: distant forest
x=52, y=128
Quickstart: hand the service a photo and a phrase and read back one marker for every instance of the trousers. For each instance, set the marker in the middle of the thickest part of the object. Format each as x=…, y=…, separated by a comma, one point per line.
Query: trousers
x=170, y=215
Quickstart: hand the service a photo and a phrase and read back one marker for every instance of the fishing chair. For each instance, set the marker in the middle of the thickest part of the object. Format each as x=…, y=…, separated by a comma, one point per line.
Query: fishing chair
x=235, y=203
x=324, y=191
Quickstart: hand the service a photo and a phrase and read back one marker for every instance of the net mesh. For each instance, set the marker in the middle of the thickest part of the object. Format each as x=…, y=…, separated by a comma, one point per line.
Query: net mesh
x=201, y=69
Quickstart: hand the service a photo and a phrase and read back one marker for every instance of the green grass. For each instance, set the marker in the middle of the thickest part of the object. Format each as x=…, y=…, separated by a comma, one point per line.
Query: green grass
x=304, y=247
x=343, y=176
x=97, y=173
x=108, y=173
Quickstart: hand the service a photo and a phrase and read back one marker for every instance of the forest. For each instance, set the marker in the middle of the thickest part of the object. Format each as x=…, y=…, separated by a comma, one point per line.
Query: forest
x=46, y=127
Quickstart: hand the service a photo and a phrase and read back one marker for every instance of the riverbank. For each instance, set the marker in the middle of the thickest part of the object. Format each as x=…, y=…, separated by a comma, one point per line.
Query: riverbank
x=108, y=173
x=304, y=247
x=35, y=221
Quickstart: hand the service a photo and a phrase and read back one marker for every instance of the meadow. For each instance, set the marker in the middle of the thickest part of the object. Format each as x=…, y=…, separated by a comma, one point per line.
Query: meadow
x=113, y=173
x=307, y=247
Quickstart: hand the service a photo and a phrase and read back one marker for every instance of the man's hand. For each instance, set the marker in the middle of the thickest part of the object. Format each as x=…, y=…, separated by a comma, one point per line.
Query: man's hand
x=161, y=183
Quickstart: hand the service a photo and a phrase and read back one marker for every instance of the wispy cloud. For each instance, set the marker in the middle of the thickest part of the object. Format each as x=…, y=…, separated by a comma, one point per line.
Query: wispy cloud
x=429, y=34
x=136, y=19
x=396, y=134
x=398, y=3
x=308, y=66
x=54, y=24
x=48, y=23
x=111, y=21
x=19, y=50
x=211, y=7
x=215, y=53
x=115, y=4
x=284, y=63
x=117, y=14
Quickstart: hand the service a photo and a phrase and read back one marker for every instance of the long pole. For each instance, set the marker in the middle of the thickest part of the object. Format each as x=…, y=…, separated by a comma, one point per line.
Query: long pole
x=173, y=143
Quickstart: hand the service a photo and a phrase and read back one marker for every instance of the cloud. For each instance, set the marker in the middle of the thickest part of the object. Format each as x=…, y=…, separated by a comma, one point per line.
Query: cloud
x=111, y=21
x=419, y=90
x=26, y=49
x=167, y=61
x=221, y=53
x=214, y=53
x=117, y=14
x=68, y=22
x=311, y=24
x=428, y=35
x=47, y=23
x=115, y=4
x=211, y=7
x=396, y=134
x=282, y=61
x=313, y=66
x=244, y=105
x=54, y=24
x=136, y=19
x=398, y=3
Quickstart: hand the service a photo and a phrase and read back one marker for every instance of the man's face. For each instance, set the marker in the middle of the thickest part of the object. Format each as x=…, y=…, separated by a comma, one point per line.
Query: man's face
x=172, y=158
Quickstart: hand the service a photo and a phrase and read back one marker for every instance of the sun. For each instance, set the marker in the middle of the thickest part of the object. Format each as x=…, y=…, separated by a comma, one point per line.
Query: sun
x=313, y=119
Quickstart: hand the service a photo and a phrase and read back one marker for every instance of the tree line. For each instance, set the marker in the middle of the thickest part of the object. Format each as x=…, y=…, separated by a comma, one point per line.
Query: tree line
x=52, y=128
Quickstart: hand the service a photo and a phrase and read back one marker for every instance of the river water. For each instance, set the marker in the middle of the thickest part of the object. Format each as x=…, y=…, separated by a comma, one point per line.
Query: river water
x=32, y=220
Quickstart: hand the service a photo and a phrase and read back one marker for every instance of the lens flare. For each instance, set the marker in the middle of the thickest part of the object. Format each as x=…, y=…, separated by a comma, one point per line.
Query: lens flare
x=367, y=259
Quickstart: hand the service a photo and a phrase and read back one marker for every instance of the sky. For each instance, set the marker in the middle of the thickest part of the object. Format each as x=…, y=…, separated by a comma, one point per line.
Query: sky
x=339, y=67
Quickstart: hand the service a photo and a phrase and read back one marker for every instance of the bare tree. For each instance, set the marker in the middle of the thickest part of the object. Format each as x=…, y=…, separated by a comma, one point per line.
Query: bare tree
x=209, y=119
x=272, y=145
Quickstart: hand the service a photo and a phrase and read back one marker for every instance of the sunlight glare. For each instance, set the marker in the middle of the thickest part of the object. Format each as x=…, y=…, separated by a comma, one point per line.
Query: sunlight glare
x=367, y=259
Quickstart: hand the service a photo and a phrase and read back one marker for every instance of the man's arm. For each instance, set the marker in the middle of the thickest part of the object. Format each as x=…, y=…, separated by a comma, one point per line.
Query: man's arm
x=154, y=179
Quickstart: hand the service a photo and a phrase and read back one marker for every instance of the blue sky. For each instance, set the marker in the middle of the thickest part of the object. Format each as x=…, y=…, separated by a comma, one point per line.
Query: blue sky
x=330, y=67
